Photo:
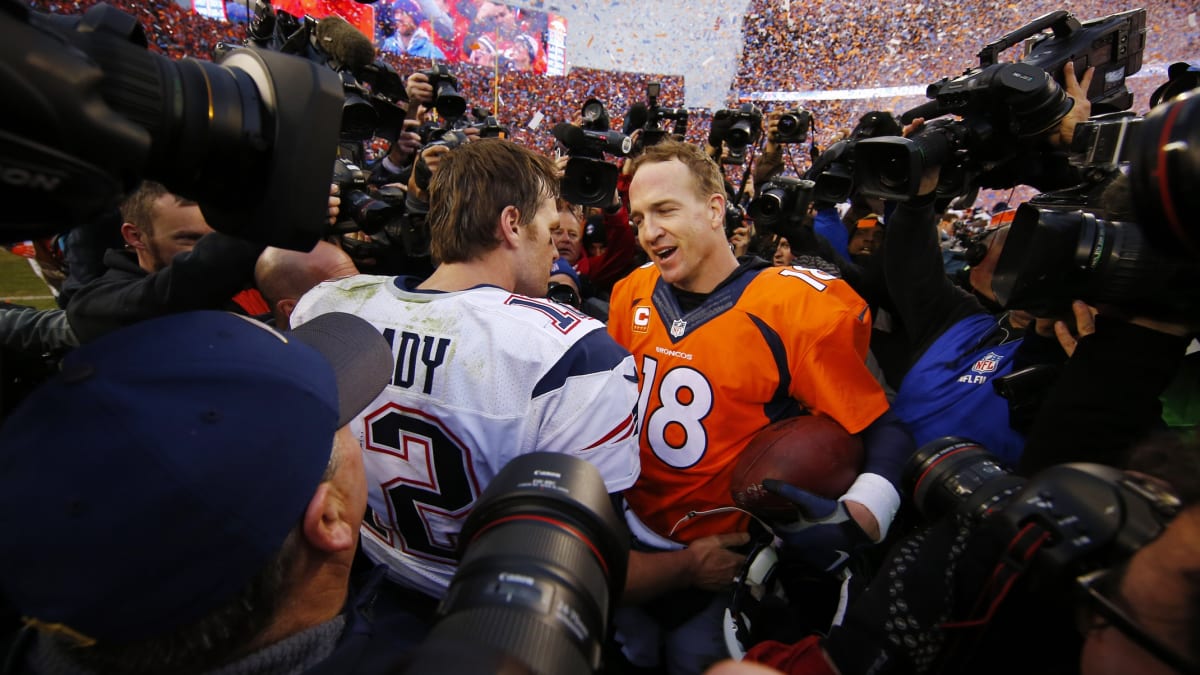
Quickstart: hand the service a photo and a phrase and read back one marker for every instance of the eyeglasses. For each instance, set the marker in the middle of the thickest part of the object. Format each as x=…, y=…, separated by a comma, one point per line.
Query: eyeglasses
x=1097, y=587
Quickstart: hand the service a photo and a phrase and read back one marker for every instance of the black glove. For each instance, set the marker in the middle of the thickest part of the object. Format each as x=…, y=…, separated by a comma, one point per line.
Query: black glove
x=721, y=124
x=825, y=535
x=894, y=626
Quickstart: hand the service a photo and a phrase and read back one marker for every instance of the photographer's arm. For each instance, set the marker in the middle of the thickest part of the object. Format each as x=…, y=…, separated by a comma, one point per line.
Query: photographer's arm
x=708, y=563
x=770, y=162
x=925, y=299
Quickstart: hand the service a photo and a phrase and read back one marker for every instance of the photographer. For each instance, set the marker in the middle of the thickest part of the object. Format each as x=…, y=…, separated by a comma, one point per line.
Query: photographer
x=176, y=263
x=957, y=347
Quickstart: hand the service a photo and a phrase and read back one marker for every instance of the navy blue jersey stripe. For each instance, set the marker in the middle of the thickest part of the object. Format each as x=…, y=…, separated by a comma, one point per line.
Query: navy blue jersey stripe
x=593, y=353
x=781, y=404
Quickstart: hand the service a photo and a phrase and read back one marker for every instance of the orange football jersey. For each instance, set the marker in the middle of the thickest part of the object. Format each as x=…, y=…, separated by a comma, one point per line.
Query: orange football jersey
x=767, y=345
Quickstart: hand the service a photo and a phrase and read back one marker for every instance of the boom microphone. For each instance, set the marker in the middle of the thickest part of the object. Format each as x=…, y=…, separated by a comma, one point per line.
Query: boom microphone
x=349, y=47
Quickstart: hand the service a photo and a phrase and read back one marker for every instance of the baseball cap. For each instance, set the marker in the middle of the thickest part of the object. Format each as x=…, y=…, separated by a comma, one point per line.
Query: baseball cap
x=164, y=465
x=561, y=266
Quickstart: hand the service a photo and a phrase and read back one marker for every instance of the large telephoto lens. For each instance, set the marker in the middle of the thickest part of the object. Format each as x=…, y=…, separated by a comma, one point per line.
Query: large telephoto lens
x=1164, y=174
x=544, y=561
x=251, y=139
x=955, y=474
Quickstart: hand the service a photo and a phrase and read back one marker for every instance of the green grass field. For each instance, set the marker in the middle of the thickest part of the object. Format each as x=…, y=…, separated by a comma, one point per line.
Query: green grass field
x=20, y=285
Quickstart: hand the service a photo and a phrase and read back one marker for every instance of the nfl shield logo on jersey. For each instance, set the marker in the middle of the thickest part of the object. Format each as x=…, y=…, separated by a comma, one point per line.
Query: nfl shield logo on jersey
x=678, y=326
x=988, y=363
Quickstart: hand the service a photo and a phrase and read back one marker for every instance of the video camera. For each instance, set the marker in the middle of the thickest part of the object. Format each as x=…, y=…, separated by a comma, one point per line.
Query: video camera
x=588, y=179
x=653, y=132
x=1005, y=107
x=373, y=89
x=744, y=130
x=1034, y=544
x=833, y=171
x=1133, y=249
x=250, y=138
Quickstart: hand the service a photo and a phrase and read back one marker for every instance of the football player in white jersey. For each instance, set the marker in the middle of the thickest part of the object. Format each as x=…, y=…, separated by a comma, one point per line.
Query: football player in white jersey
x=487, y=368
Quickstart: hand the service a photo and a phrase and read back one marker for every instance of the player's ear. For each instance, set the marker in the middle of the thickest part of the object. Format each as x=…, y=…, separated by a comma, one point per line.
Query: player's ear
x=716, y=210
x=510, y=225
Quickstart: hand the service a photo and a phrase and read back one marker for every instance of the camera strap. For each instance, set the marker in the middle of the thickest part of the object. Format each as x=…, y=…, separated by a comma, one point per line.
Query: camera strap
x=1012, y=565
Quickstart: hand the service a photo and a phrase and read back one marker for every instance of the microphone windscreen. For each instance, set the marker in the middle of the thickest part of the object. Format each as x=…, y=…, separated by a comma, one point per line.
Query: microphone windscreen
x=570, y=135
x=344, y=42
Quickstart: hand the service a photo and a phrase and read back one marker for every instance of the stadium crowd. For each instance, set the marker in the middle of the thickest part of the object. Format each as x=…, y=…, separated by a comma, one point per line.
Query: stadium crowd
x=224, y=454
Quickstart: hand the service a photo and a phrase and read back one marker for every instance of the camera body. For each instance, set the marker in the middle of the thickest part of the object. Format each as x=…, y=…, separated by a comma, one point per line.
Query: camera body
x=373, y=90
x=792, y=127
x=1031, y=540
x=745, y=129
x=369, y=211
x=446, y=100
x=782, y=205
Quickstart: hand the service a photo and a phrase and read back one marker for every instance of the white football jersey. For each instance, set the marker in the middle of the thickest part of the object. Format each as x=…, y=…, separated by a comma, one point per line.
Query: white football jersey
x=481, y=376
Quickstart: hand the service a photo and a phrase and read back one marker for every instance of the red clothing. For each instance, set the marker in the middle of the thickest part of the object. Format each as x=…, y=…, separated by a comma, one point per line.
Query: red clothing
x=608, y=268
x=802, y=658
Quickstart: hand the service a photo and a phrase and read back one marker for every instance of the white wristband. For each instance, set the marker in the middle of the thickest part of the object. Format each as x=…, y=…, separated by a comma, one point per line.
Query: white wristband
x=879, y=497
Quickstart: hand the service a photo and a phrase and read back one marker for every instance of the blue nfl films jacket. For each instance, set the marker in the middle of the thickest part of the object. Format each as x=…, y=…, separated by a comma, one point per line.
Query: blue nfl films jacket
x=949, y=391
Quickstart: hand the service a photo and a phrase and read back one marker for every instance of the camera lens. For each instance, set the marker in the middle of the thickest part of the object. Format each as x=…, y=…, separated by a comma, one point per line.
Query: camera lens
x=545, y=560
x=955, y=474
x=787, y=124
x=738, y=135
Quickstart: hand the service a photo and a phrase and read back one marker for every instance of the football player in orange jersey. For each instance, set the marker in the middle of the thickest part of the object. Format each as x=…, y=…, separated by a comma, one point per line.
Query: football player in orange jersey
x=723, y=348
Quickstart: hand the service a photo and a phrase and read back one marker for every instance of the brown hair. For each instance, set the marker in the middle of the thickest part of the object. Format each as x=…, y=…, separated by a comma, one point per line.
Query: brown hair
x=138, y=207
x=473, y=184
x=704, y=169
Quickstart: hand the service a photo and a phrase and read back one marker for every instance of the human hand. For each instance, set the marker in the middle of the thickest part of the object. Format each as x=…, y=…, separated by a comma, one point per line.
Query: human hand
x=1085, y=325
x=772, y=126
x=1064, y=133
x=334, y=203
x=740, y=240
x=560, y=164
x=407, y=144
x=422, y=173
x=714, y=565
x=931, y=174
x=825, y=533
x=418, y=89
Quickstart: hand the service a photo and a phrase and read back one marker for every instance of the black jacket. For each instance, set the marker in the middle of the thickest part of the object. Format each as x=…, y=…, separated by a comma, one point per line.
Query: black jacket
x=207, y=277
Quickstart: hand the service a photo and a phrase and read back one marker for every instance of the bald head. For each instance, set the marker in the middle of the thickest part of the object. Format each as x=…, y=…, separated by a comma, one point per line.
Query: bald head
x=283, y=275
